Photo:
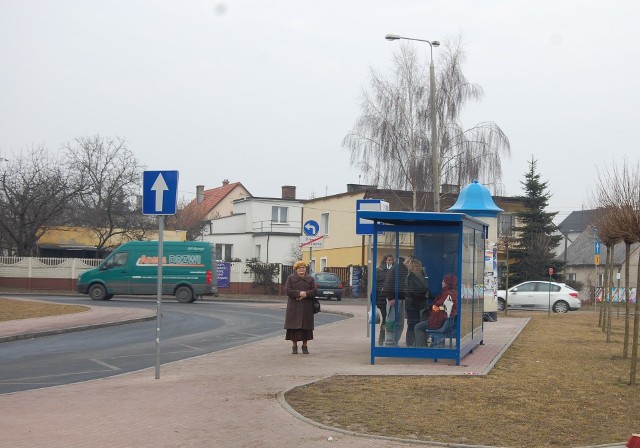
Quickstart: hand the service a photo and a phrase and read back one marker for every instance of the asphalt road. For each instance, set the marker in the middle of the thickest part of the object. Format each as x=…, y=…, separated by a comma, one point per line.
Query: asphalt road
x=187, y=330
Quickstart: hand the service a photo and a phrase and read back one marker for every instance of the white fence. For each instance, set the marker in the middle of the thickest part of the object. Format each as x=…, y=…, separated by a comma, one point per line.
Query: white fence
x=42, y=267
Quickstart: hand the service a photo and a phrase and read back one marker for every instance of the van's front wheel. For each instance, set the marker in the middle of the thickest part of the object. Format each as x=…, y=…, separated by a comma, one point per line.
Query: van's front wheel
x=184, y=294
x=98, y=292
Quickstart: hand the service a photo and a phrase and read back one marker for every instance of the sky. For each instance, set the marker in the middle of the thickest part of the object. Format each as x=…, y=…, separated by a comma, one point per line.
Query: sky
x=263, y=92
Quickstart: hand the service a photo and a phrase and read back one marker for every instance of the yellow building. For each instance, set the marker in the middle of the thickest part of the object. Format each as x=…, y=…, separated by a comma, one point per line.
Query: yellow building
x=80, y=242
x=336, y=216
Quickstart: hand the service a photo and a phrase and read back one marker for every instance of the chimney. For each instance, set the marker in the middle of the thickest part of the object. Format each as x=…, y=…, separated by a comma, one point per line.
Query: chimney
x=288, y=192
x=225, y=182
x=199, y=194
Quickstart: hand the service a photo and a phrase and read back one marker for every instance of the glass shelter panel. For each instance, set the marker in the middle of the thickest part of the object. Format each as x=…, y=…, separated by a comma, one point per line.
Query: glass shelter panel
x=427, y=284
x=478, y=272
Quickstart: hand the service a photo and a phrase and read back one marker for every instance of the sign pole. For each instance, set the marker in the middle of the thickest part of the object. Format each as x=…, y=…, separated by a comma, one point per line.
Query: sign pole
x=159, y=294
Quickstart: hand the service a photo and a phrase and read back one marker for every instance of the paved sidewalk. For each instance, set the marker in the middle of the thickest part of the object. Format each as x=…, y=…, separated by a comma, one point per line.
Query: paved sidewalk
x=231, y=398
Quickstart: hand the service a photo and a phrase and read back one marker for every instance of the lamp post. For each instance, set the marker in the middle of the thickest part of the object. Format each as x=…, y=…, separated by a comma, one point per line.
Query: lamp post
x=435, y=155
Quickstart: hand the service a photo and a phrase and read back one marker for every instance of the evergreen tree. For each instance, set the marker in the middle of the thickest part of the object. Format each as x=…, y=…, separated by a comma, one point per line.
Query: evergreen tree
x=535, y=242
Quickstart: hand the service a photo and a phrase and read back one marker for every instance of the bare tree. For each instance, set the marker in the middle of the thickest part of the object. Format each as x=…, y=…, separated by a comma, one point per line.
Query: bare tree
x=189, y=217
x=35, y=193
x=111, y=176
x=618, y=191
x=390, y=142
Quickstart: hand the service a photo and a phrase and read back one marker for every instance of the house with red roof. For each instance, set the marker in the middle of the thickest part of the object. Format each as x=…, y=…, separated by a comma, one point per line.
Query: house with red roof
x=217, y=202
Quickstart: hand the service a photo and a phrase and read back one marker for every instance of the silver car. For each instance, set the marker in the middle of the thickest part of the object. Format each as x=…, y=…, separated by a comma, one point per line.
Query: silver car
x=540, y=295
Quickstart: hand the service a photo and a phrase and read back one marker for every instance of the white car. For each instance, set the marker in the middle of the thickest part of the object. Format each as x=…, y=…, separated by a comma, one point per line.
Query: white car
x=540, y=295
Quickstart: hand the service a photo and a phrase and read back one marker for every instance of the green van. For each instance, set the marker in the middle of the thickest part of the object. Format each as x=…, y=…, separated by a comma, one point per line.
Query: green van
x=188, y=271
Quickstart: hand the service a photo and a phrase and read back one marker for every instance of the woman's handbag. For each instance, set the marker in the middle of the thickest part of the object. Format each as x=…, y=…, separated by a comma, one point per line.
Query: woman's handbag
x=316, y=306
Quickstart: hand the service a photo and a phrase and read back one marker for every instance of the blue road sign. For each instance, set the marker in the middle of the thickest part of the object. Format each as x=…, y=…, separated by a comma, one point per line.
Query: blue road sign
x=597, y=248
x=311, y=228
x=159, y=192
x=365, y=226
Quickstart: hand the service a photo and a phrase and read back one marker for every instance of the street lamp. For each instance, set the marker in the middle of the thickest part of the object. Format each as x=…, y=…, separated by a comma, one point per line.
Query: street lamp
x=435, y=155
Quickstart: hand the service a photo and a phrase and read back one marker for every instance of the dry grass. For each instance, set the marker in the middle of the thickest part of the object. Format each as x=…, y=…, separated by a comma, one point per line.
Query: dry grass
x=559, y=385
x=23, y=309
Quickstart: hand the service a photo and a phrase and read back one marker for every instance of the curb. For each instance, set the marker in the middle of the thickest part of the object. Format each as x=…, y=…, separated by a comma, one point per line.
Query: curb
x=43, y=333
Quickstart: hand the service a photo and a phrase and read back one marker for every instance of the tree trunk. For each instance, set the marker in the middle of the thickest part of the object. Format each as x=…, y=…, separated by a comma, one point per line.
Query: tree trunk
x=634, y=343
x=601, y=319
x=609, y=295
x=627, y=307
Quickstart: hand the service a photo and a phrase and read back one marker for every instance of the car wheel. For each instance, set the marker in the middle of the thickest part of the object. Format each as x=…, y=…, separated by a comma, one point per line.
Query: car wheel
x=109, y=297
x=184, y=294
x=98, y=292
x=560, y=307
x=501, y=304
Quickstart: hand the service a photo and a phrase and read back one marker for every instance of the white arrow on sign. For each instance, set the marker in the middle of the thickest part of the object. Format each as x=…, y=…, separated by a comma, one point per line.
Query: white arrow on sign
x=159, y=186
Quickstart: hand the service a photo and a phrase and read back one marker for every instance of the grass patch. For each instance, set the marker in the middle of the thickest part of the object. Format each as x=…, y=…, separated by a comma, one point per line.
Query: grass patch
x=558, y=385
x=24, y=309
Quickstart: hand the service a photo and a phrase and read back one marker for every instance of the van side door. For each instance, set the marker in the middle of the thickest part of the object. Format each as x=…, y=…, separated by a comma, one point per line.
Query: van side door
x=115, y=273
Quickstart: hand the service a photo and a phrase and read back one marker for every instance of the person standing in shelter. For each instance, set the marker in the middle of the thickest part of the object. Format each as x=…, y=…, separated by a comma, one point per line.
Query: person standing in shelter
x=438, y=313
x=416, y=292
x=299, y=319
x=394, y=293
x=381, y=301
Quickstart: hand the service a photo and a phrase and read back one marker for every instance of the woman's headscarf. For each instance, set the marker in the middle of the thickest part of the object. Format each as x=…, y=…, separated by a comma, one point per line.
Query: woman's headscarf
x=451, y=281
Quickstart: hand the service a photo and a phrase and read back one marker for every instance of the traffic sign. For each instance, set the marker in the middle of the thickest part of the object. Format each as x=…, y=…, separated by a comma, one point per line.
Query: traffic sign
x=311, y=228
x=596, y=260
x=159, y=192
x=597, y=249
x=365, y=226
x=312, y=241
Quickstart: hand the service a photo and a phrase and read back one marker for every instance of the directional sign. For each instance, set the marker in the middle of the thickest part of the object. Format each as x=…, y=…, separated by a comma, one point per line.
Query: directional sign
x=596, y=260
x=159, y=192
x=597, y=250
x=312, y=241
x=365, y=226
x=311, y=228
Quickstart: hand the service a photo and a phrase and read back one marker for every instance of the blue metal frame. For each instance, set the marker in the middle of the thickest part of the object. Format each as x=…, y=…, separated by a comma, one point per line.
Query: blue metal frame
x=433, y=223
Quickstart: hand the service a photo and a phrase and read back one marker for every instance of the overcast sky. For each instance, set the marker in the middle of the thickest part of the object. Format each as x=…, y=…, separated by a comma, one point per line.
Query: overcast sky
x=263, y=92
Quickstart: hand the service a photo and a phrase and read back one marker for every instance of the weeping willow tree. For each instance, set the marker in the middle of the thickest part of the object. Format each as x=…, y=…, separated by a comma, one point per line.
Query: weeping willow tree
x=390, y=142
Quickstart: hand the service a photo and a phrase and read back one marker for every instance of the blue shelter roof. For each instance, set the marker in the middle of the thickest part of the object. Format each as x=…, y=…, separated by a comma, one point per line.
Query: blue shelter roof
x=476, y=200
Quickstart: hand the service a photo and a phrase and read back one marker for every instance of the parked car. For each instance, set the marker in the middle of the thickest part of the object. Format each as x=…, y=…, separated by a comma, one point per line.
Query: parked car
x=328, y=285
x=538, y=295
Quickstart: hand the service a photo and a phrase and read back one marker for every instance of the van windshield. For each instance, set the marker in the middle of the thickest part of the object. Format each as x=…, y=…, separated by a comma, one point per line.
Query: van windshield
x=116, y=260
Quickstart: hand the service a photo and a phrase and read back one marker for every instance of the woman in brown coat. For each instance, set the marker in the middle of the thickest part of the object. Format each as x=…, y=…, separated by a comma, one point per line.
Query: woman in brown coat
x=298, y=320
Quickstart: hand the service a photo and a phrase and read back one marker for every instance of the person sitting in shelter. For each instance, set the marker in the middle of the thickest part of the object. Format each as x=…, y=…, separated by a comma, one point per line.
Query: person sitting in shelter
x=439, y=313
x=416, y=291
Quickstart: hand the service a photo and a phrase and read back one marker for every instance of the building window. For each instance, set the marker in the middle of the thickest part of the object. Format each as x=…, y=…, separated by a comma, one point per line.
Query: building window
x=505, y=224
x=223, y=252
x=323, y=264
x=571, y=277
x=256, y=254
x=279, y=214
x=324, y=224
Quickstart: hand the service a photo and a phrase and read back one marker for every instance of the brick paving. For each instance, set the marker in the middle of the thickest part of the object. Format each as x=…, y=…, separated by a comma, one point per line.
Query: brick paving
x=231, y=398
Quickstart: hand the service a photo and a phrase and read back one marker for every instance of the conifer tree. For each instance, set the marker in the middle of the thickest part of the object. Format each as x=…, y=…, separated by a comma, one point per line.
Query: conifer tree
x=535, y=242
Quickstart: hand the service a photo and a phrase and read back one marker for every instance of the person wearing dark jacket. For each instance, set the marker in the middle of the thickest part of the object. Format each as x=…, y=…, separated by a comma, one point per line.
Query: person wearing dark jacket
x=416, y=293
x=299, y=320
x=381, y=301
x=438, y=313
x=394, y=292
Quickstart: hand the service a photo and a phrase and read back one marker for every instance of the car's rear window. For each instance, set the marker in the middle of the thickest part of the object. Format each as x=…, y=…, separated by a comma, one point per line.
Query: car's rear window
x=327, y=277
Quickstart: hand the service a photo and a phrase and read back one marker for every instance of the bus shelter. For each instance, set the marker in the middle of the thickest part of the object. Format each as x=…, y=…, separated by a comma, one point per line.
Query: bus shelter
x=447, y=245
